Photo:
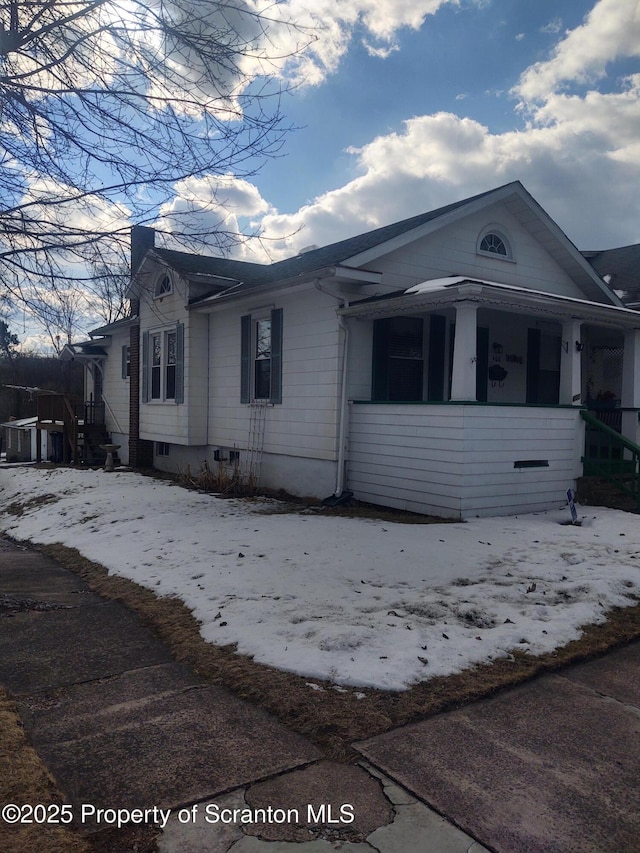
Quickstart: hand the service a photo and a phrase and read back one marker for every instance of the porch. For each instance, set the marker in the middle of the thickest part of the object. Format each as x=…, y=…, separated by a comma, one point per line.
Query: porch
x=468, y=395
x=464, y=460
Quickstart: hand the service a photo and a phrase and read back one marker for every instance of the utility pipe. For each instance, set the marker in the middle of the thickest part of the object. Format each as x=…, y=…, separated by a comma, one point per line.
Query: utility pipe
x=342, y=417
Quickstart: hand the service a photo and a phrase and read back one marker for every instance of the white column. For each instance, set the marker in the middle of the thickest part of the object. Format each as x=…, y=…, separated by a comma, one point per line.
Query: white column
x=631, y=384
x=571, y=364
x=463, y=377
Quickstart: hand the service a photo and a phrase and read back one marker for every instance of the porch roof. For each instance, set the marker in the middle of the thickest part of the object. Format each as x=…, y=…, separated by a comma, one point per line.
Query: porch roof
x=446, y=292
x=21, y=423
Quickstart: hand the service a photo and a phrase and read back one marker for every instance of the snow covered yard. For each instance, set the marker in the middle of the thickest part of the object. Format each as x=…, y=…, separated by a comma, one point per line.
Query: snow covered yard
x=358, y=602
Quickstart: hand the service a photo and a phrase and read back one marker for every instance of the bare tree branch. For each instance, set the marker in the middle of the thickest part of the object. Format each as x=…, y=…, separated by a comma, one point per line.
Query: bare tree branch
x=104, y=106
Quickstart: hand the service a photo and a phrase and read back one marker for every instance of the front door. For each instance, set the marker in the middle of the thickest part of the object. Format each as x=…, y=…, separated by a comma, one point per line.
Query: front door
x=543, y=367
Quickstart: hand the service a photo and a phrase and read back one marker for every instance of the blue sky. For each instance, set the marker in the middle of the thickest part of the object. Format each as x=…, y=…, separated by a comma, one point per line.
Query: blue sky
x=462, y=60
x=407, y=105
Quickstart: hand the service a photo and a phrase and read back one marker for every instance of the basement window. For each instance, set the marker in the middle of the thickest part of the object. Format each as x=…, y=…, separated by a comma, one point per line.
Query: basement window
x=162, y=448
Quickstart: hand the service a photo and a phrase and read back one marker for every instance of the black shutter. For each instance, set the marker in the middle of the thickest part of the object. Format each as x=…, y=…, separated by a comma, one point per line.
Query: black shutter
x=435, y=370
x=179, y=398
x=482, y=364
x=380, y=379
x=276, y=355
x=245, y=358
x=533, y=365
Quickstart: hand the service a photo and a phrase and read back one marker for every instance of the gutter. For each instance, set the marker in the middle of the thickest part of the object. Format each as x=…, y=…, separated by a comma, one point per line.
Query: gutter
x=248, y=291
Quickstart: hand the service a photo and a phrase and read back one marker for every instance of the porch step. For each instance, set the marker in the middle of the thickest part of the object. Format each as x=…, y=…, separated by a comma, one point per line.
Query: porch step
x=89, y=450
x=596, y=491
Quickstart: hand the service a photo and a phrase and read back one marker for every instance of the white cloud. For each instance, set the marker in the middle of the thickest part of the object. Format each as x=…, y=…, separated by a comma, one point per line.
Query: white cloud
x=553, y=26
x=578, y=154
x=610, y=31
x=331, y=25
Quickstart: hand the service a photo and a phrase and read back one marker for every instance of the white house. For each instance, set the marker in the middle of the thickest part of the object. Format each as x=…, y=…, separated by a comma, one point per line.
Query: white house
x=440, y=364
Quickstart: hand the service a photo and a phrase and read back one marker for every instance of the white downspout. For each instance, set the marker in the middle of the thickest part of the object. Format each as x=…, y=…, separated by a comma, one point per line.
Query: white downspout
x=342, y=416
x=343, y=411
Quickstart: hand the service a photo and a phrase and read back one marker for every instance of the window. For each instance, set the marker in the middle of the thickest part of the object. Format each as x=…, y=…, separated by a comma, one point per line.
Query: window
x=163, y=286
x=495, y=243
x=162, y=448
x=156, y=366
x=163, y=365
x=262, y=360
x=398, y=358
x=261, y=357
x=126, y=361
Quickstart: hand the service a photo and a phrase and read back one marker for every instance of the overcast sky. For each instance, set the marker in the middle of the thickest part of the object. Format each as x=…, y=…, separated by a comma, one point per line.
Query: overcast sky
x=407, y=105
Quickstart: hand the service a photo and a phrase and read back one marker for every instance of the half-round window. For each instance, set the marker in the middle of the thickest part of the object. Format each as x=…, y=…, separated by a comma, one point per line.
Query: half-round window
x=494, y=243
x=163, y=286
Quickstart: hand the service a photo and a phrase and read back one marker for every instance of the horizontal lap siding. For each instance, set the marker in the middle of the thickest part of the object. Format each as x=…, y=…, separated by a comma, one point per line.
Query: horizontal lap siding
x=454, y=249
x=115, y=389
x=305, y=423
x=407, y=457
x=453, y=460
x=497, y=437
x=168, y=421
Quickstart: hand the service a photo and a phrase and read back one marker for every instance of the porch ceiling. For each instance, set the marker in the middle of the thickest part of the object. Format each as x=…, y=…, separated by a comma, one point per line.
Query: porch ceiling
x=447, y=292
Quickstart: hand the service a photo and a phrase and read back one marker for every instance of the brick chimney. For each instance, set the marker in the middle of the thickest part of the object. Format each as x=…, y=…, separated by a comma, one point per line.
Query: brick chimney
x=142, y=239
x=140, y=451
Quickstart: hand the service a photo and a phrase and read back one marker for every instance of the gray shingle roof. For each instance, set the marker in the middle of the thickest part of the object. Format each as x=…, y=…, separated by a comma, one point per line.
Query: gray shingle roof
x=251, y=274
x=623, y=267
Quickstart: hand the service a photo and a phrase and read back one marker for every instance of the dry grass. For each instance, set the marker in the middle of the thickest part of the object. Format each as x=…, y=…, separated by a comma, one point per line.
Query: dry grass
x=24, y=779
x=331, y=719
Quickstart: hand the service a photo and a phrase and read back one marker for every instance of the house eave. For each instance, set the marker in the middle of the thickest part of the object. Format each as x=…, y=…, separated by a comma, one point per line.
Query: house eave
x=116, y=326
x=244, y=290
x=449, y=292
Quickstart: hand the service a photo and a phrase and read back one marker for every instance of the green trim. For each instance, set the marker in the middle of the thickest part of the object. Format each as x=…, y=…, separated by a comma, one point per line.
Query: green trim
x=604, y=457
x=469, y=403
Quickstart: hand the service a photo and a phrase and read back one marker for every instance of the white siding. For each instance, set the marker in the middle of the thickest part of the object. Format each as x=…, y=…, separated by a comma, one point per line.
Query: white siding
x=457, y=461
x=183, y=423
x=452, y=251
x=115, y=393
x=305, y=423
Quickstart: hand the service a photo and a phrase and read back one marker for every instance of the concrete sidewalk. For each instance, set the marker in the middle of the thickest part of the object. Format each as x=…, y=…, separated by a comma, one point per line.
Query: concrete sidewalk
x=123, y=727
x=551, y=766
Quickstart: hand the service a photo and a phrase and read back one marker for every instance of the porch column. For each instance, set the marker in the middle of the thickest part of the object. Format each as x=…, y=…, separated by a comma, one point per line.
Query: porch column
x=631, y=384
x=463, y=376
x=571, y=365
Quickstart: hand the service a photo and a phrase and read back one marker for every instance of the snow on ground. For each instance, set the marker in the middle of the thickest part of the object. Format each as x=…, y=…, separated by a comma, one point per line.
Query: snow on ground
x=358, y=602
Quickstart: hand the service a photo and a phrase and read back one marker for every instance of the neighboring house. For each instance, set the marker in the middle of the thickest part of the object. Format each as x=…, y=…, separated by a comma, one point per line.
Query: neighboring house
x=439, y=364
x=620, y=268
x=21, y=441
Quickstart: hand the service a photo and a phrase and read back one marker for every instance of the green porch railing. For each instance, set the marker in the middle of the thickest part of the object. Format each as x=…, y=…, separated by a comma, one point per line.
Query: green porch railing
x=613, y=457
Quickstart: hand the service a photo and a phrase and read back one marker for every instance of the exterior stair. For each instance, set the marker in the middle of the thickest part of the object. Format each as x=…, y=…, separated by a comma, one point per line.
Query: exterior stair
x=89, y=451
x=598, y=491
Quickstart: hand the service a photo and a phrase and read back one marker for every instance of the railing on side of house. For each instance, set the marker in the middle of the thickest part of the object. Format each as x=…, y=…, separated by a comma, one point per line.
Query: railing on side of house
x=62, y=413
x=609, y=455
